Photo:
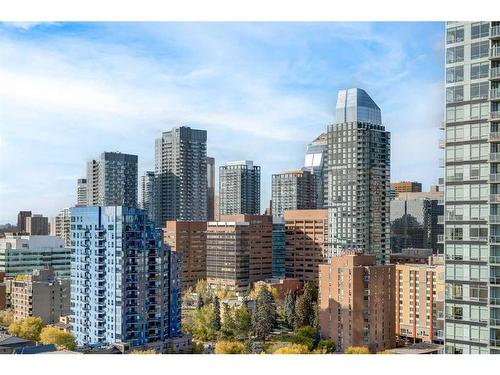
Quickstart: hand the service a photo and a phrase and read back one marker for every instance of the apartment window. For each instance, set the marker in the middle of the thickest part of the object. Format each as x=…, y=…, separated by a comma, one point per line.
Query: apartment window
x=479, y=49
x=479, y=70
x=455, y=74
x=454, y=54
x=479, y=91
x=480, y=30
x=455, y=34
x=454, y=94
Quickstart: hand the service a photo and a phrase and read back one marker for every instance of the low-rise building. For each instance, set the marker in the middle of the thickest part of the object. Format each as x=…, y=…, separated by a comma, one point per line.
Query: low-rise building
x=411, y=255
x=283, y=286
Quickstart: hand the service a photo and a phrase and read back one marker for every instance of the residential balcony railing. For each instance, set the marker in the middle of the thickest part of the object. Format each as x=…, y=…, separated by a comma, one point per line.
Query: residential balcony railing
x=442, y=143
x=495, y=73
x=495, y=342
x=495, y=301
x=495, y=115
x=494, y=94
x=494, y=279
x=495, y=259
x=495, y=32
x=495, y=321
x=495, y=177
x=495, y=156
x=495, y=239
x=440, y=237
x=442, y=163
x=440, y=219
x=494, y=198
x=494, y=137
x=495, y=52
x=494, y=219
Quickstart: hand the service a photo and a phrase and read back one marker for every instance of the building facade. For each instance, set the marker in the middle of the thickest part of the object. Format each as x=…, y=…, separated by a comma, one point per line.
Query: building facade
x=62, y=226
x=305, y=243
x=210, y=188
x=279, y=248
x=39, y=294
x=181, y=175
x=358, y=177
x=472, y=188
x=315, y=162
x=406, y=187
x=356, y=302
x=21, y=254
x=37, y=225
x=81, y=192
x=124, y=280
x=239, y=188
x=189, y=240
x=293, y=190
x=419, y=297
x=21, y=221
x=239, y=251
x=112, y=180
x=147, y=197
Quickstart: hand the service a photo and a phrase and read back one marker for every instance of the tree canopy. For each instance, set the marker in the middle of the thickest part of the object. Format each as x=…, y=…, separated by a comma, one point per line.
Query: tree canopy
x=229, y=347
x=61, y=339
x=28, y=328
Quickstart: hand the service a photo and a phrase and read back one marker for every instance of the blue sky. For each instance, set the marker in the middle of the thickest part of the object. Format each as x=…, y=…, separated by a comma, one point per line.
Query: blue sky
x=69, y=91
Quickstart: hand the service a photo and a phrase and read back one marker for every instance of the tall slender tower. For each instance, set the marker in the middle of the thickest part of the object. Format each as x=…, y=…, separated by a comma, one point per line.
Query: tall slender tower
x=210, y=188
x=181, y=175
x=147, y=193
x=358, y=177
x=315, y=162
x=239, y=188
x=472, y=187
x=81, y=192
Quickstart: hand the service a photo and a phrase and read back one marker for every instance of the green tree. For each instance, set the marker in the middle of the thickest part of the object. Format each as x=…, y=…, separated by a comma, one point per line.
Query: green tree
x=357, y=350
x=290, y=309
x=61, y=339
x=306, y=335
x=203, y=327
x=29, y=328
x=229, y=347
x=228, y=324
x=242, y=321
x=201, y=288
x=197, y=347
x=6, y=318
x=304, y=312
x=199, y=302
x=216, y=322
x=264, y=314
x=311, y=291
x=326, y=346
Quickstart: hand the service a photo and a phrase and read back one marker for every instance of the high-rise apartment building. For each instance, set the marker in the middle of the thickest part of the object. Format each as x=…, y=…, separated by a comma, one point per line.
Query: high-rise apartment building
x=21, y=254
x=181, y=175
x=358, y=177
x=189, y=239
x=472, y=187
x=239, y=250
x=406, y=187
x=293, y=190
x=147, y=193
x=239, y=188
x=39, y=294
x=315, y=162
x=112, y=180
x=305, y=243
x=419, y=298
x=356, y=302
x=21, y=221
x=37, y=225
x=279, y=248
x=81, y=192
x=124, y=280
x=210, y=188
x=61, y=226
x=3, y=291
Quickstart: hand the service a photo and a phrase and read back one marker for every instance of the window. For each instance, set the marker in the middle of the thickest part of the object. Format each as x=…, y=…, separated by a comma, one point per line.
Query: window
x=454, y=94
x=479, y=49
x=479, y=70
x=479, y=91
x=455, y=34
x=454, y=54
x=480, y=30
x=456, y=74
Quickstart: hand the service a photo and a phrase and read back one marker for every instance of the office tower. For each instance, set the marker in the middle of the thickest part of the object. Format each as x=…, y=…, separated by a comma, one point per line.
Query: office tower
x=358, y=177
x=305, y=243
x=181, y=175
x=39, y=294
x=189, y=239
x=356, y=302
x=21, y=254
x=61, y=226
x=147, y=193
x=419, y=296
x=406, y=187
x=239, y=188
x=121, y=279
x=210, y=188
x=37, y=225
x=315, y=162
x=279, y=246
x=293, y=190
x=472, y=204
x=81, y=192
x=415, y=224
x=239, y=251
x=21, y=221
x=112, y=180
x=216, y=207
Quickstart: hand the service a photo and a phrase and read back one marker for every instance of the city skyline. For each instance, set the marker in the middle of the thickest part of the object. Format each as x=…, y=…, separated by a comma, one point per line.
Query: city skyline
x=278, y=93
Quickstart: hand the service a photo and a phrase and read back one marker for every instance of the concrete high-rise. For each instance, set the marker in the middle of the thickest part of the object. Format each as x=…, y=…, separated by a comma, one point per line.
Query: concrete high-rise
x=279, y=246
x=472, y=187
x=406, y=187
x=181, y=175
x=356, y=302
x=239, y=188
x=37, y=225
x=112, y=180
x=315, y=162
x=293, y=190
x=125, y=283
x=210, y=188
x=62, y=226
x=81, y=192
x=147, y=193
x=21, y=221
x=358, y=177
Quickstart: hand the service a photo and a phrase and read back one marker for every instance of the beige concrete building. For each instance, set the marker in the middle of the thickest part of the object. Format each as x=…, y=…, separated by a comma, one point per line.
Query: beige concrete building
x=239, y=250
x=420, y=300
x=189, y=239
x=305, y=243
x=357, y=302
x=39, y=294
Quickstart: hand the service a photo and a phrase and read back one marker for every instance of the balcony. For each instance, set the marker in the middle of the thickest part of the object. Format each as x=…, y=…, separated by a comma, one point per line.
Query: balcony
x=494, y=94
x=494, y=219
x=495, y=342
x=495, y=53
x=495, y=32
x=495, y=322
x=495, y=74
x=494, y=136
x=442, y=143
x=494, y=198
x=440, y=219
x=495, y=156
x=495, y=239
x=441, y=163
x=495, y=280
x=440, y=238
x=494, y=115
x=495, y=259
x=495, y=301
x=495, y=177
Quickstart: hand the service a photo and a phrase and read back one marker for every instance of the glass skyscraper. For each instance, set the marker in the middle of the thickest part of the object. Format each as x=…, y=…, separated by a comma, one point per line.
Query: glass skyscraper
x=472, y=187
